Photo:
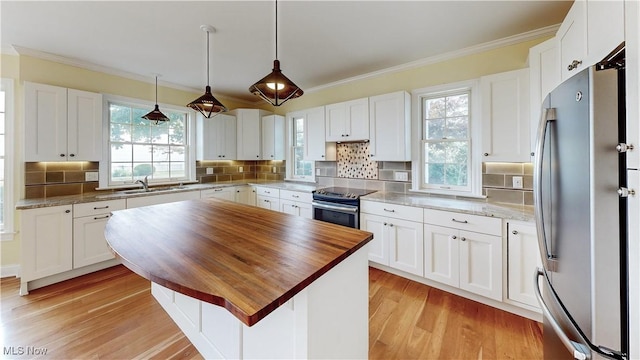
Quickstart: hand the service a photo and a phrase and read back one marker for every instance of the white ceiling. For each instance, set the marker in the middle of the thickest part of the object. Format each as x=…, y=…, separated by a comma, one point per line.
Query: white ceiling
x=319, y=42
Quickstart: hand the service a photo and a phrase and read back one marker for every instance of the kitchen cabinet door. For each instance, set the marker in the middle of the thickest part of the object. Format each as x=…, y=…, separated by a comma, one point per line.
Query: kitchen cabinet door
x=246, y=195
x=544, y=76
x=47, y=243
x=523, y=257
x=249, y=133
x=379, y=246
x=296, y=208
x=273, y=137
x=267, y=202
x=390, y=127
x=505, y=116
x=481, y=264
x=347, y=121
x=406, y=245
x=441, y=259
x=315, y=146
x=225, y=193
x=572, y=40
x=632, y=42
x=62, y=124
x=216, y=137
x=605, y=28
x=89, y=221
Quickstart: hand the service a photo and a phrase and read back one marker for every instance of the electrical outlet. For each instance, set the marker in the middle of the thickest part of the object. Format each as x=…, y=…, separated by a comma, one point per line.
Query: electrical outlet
x=274, y=169
x=209, y=171
x=401, y=176
x=317, y=172
x=240, y=169
x=517, y=182
x=91, y=176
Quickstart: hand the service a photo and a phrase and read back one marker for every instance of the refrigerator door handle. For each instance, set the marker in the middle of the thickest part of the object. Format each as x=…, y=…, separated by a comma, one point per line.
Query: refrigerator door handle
x=579, y=351
x=549, y=260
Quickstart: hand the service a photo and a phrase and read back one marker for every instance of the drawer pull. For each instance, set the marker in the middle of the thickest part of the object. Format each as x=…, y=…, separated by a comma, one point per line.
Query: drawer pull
x=217, y=189
x=514, y=232
x=101, y=217
x=67, y=211
x=460, y=221
x=463, y=238
x=100, y=207
x=453, y=237
x=385, y=224
x=391, y=225
x=295, y=196
x=387, y=210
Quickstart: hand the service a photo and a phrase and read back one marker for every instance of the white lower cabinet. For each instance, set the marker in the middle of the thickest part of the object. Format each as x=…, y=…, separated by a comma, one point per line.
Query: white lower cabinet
x=397, y=242
x=523, y=257
x=268, y=198
x=89, y=221
x=246, y=195
x=161, y=199
x=296, y=208
x=47, y=242
x=225, y=193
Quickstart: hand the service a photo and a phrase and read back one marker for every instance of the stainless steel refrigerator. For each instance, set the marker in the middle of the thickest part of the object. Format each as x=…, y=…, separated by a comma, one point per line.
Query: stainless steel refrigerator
x=581, y=217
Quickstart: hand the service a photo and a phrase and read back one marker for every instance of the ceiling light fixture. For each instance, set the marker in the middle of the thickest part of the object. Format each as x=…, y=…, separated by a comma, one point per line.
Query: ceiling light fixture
x=206, y=104
x=276, y=88
x=156, y=115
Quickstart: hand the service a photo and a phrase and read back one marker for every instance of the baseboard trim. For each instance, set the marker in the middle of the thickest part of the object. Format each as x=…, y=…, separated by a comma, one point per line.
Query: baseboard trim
x=12, y=270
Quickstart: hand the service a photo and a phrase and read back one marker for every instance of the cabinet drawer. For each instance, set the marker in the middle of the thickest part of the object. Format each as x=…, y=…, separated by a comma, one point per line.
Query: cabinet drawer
x=296, y=196
x=391, y=210
x=265, y=191
x=476, y=223
x=213, y=192
x=98, y=207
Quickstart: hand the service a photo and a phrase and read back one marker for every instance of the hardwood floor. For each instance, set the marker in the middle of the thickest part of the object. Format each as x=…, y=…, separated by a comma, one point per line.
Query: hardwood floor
x=111, y=315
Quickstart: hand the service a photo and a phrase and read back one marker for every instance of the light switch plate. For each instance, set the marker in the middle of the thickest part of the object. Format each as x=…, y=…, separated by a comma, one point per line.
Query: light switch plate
x=401, y=176
x=240, y=169
x=91, y=176
x=209, y=171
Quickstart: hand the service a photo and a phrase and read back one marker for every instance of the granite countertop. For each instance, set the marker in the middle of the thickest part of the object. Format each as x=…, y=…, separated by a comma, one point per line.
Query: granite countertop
x=468, y=206
x=24, y=204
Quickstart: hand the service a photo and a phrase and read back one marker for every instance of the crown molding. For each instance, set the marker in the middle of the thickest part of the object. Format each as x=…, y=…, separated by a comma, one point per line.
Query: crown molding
x=475, y=49
x=20, y=50
x=8, y=50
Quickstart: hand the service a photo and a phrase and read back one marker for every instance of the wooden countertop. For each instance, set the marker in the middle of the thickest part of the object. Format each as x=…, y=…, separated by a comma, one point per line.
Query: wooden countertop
x=244, y=258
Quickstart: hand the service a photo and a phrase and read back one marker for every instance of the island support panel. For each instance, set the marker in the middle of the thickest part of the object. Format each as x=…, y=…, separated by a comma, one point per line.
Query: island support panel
x=328, y=319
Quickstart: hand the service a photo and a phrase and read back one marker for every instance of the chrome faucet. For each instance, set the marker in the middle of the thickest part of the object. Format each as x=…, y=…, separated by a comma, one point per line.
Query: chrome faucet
x=145, y=183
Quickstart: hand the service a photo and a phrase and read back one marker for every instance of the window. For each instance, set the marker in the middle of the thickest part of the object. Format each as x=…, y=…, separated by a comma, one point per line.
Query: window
x=6, y=159
x=138, y=148
x=443, y=160
x=301, y=169
x=446, y=141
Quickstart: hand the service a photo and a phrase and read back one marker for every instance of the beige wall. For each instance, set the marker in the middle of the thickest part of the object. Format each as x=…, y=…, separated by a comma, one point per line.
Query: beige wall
x=25, y=68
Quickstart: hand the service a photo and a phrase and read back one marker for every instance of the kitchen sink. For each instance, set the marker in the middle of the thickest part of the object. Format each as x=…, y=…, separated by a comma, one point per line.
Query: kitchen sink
x=151, y=190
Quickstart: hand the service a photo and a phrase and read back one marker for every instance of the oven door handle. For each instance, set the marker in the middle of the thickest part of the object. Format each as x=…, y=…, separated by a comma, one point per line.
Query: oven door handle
x=327, y=206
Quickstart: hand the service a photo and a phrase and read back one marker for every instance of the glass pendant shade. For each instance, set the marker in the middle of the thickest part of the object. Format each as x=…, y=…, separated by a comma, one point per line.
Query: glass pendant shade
x=276, y=88
x=156, y=115
x=207, y=104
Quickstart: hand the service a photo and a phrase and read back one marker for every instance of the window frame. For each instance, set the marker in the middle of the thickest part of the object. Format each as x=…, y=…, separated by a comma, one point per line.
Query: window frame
x=190, y=144
x=7, y=229
x=474, y=181
x=290, y=150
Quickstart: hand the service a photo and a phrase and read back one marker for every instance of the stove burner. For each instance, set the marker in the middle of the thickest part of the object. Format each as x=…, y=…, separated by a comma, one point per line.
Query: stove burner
x=340, y=192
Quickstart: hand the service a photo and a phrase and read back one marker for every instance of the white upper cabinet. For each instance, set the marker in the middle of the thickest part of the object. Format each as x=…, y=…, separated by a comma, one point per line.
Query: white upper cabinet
x=390, y=127
x=544, y=76
x=347, y=121
x=589, y=32
x=632, y=43
x=273, y=137
x=62, y=124
x=249, y=130
x=505, y=116
x=315, y=146
x=216, y=137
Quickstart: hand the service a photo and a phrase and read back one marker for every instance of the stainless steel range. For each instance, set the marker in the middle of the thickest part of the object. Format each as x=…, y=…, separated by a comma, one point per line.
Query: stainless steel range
x=338, y=205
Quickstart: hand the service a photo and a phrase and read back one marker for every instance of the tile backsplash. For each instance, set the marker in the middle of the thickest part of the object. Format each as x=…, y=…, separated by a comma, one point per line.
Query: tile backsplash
x=497, y=182
x=47, y=179
x=228, y=170
x=353, y=161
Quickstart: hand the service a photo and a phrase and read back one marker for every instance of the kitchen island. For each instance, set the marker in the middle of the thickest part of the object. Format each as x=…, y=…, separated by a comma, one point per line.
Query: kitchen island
x=245, y=282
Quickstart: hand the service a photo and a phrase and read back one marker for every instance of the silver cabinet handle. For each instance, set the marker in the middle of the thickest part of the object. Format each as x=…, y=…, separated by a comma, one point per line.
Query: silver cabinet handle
x=578, y=350
x=389, y=210
x=460, y=221
x=515, y=232
x=623, y=192
x=622, y=147
x=574, y=64
x=295, y=196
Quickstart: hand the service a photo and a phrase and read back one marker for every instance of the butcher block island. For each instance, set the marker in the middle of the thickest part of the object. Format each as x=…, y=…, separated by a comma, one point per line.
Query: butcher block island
x=246, y=282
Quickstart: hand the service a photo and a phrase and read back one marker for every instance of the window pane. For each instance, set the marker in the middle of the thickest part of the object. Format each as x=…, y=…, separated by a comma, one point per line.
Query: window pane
x=120, y=114
x=177, y=136
x=434, y=108
x=457, y=127
x=142, y=170
x=435, y=129
x=121, y=172
x=142, y=153
x=161, y=170
x=121, y=152
x=457, y=105
x=434, y=174
x=434, y=152
x=177, y=170
x=141, y=134
x=161, y=153
x=177, y=154
x=456, y=174
x=160, y=135
x=137, y=115
x=121, y=133
x=456, y=152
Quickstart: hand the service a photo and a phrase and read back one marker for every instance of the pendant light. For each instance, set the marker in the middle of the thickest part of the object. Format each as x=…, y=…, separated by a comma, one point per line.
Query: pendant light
x=276, y=88
x=156, y=115
x=206, y=104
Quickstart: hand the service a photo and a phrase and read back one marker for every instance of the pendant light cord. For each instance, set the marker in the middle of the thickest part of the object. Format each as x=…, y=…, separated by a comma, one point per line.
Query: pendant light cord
x=208, y=79
x=276, y=29
x=156, y=89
